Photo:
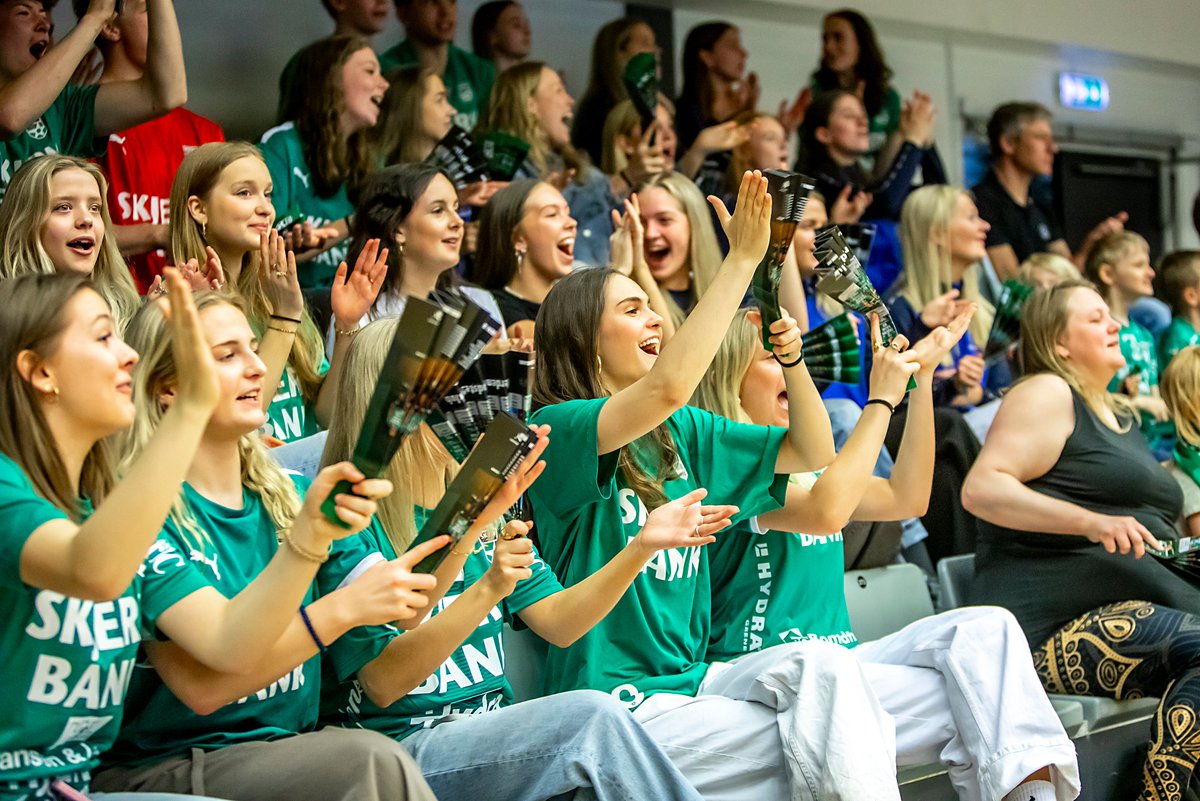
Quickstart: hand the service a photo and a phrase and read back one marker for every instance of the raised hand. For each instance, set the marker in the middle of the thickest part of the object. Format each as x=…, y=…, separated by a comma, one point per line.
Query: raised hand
x=277, y=276
x=848, y=208
x=199, y=389
x=646, y=160
x=390, y=591
x=352, y=296
x=314, y=530
x=302, y=237
x=932, y=349
x=941, y=310
x=511, y=560
x=792, y=117
x=683, y=523
x=628, y=241
x=724, y=136
x=748, y=229
x=916, y=119
x=479, y=193
x=786, y=339
x=891, y=367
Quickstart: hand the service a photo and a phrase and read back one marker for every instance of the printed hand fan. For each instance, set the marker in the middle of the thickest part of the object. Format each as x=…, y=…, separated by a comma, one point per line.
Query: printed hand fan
x=789, y=195
x=842, y=277
x=504, y=154
x=1006, y=325
x=459, y=155
x=832, y=351
x=492, y=386
x=641, y=82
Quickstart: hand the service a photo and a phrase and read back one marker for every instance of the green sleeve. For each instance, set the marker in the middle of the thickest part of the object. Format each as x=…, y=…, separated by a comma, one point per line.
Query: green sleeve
x=23, y=512
x=168, y=576
x=580, y=476
x=77, y=110
x=734, y=461
x=542, y=584
x=891, y=104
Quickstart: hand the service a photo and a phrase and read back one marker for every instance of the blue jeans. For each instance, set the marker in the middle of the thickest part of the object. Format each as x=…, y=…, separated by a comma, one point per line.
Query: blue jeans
x=548, y=747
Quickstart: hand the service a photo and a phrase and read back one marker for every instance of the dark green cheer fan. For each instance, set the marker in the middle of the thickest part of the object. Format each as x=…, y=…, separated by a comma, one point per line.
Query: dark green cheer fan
x=789, y=195
x=833, y=352
x=641, y=82
x=1006, y=325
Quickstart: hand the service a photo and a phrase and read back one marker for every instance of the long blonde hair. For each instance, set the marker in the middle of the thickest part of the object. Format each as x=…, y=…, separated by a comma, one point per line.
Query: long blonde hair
x=622, y=120
x=420, y=468
x=508, y=111
x=24, y=212
x=196, y=177
x=1044, y=319
x=704, y=253
x=720, y=390
x=927, y=265
x=1180, y=388
x=150, y=335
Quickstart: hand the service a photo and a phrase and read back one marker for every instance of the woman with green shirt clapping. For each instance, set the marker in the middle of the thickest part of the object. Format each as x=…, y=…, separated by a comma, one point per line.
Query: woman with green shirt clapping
x=625, y=443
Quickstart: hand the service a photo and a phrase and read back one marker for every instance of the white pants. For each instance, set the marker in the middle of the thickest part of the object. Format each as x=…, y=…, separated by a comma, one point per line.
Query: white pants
x=795, y=721
x=962, y=690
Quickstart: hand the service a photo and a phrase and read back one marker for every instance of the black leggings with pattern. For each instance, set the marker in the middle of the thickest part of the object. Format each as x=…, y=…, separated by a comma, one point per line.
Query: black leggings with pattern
x=1135, y=649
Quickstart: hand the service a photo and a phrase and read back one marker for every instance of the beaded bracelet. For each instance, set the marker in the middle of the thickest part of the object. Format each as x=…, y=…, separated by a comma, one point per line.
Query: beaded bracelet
x=301, y=551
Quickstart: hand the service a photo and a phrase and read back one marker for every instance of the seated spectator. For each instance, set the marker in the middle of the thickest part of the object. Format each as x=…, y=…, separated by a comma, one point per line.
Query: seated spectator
x=1119, y=266
x=140, y=163
x=322, y=155
x=716, y=87
x=223, y=193
x=531, y=103
x=1069, y=498
x=236, y=559
x=429, y=27
x=75, y=535
x=770, y=586
x=942, y=235
x=40, y=113
x=501, y=34
x=1047, y=270
x=383, y=681
x=1180, y=276
x=1181, y=393
x=680, y=242
x=616, y=42
x=1022, y=147
x=416, y=115
x=363, y=18
x=55, y=219
x=851, y=59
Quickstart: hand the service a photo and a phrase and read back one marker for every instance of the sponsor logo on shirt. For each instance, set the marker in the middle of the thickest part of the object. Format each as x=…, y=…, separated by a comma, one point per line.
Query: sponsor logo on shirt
x=629, y=695
x=144, y=208
x=38, y=130
x=301, y=175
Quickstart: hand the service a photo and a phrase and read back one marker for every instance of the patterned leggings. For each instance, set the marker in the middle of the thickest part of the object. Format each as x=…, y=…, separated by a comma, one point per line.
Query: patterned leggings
x=1135, y=649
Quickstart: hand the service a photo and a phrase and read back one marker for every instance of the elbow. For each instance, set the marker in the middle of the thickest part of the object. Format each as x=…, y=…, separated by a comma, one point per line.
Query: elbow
x=380, y=694
x=973, y=495
x=560, y=639
x=173, y=96
x=917, y=507
x=90, y=585
x=201, y=703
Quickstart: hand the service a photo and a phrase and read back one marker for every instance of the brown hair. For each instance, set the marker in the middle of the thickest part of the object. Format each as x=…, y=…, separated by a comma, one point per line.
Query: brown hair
x=1179, y=271
x=398, y=137
x=566, y=339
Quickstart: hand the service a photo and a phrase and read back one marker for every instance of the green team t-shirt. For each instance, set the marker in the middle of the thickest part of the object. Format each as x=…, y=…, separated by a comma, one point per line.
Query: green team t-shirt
x=67, y=662
x=295, y=195
x=240, y=544
x=470, y=682
x=654, y=639
x=1138, y=348
x=1179, y=335
x=68, y=126
x=773, y=587
x=290, y=417
x=468, y=79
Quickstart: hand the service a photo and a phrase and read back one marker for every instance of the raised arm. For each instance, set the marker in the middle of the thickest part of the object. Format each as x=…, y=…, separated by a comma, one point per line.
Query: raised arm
x=280, y=283
x=123, y=104
x=667, y=387
x=97, y=560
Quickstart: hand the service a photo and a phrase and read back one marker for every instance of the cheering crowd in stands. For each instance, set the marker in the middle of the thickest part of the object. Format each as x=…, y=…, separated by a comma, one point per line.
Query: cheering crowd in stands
x=182, y=318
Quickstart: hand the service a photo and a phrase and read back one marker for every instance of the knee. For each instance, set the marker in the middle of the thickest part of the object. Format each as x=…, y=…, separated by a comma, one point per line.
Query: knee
x=368, y=754
x=600, y=710
x=824, y=657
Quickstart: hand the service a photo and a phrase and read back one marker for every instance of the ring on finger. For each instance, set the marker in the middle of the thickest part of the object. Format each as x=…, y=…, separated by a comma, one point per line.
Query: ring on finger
x=506, y=534
x=895, y=346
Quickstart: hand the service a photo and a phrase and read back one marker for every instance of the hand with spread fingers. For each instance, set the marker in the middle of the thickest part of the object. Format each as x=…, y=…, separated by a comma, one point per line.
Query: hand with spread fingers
x=683, y=523
x=278, y=278
x=891, y=367
x=748, y=229
x=352, y=296
x=932, y=349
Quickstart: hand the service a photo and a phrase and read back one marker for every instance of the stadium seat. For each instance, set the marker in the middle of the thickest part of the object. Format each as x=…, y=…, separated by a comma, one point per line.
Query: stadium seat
x=524, y=655
x=955, y=574
x=884, y=600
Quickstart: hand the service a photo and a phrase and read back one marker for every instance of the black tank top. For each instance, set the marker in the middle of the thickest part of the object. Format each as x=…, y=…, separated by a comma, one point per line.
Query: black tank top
x=1048, y=580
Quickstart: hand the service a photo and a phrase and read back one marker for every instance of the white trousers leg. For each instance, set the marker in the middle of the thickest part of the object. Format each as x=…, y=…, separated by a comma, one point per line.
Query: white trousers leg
x=794, y=721
x=962, y=690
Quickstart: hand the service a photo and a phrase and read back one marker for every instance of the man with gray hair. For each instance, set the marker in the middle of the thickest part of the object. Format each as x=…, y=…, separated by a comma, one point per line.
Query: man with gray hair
x=1022, y=146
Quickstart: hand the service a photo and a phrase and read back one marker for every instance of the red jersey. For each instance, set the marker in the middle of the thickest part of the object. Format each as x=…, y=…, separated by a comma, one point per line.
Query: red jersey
x=140, y=164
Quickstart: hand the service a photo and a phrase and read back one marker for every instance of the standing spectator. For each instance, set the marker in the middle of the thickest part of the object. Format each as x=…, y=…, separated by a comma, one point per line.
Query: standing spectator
x=500, y=33
x=1022, y=147
x=852, y=59
x=429, y=27
x=365, y=18
x=140, y=163
x=40, y=113
x=715, y=84
x=616, y=43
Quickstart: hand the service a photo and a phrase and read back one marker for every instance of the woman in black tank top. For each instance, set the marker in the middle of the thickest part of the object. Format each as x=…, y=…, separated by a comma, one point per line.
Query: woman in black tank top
x=1069, y=499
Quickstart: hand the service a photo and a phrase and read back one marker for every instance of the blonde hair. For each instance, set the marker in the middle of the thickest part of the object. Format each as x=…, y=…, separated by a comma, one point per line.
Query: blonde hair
x=1058, y=266
x=196, y=177
x=24, y=212
x=1109, y=249
x=421, y=467
x=1044, y=320
x=720, y=390
x=704, y=254
x=621, y=121
x=927, y=265
x=1180, y=388
x=150, y=335
x=508, y=111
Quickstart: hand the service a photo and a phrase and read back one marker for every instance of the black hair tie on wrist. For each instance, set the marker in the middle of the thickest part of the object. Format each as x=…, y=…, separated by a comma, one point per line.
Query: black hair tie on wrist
x=891, y=409
x=782, y=363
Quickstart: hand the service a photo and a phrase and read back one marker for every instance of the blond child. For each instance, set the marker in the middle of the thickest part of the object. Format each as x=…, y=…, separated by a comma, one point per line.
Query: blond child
x=1181, y=392
x=1047, y=270
x=1180, y=273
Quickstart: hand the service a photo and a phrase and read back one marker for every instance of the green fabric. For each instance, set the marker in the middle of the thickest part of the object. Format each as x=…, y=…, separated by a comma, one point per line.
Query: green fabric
x=68, y=126
x=1179, y=335
x=655, y=638
x=290, y=417
x=294, y=196
x=471, y=681
x=1138, y=348
x=468, y=79
x=240, y=543
x=773, y=587
x=67, y=662
x=1187, y=458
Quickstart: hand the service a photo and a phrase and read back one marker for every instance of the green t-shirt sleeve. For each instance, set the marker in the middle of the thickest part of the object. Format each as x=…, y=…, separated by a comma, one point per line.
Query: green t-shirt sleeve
x=580, y=475
x=542, y=584
x=168, y=576
x=77, y=110
x=734, y=461
x=23, y=512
